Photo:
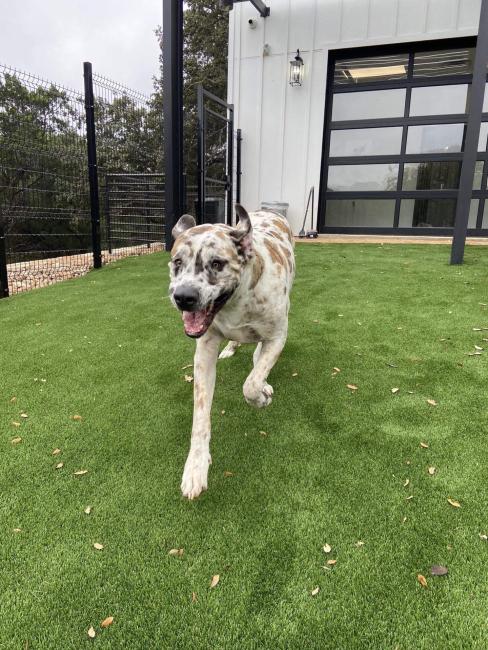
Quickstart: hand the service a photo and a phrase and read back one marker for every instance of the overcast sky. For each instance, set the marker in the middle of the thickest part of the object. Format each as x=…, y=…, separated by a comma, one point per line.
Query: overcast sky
x=52, y=38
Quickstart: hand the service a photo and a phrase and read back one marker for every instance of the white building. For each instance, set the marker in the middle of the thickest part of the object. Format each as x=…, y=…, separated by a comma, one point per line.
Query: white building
x=400, y=67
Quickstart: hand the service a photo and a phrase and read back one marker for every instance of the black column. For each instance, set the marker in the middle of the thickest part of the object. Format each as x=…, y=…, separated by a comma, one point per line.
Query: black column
x=471, y=140
x=173, y=113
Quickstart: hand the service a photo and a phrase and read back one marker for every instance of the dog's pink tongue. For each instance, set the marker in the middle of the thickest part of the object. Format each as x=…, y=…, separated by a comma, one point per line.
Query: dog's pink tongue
x=194, y=322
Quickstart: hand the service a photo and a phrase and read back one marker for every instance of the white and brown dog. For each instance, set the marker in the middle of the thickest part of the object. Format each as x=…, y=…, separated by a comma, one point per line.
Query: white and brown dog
x=230, y=283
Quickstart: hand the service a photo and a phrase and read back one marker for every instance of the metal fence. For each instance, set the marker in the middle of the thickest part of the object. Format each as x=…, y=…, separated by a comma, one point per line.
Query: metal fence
x=49, y=228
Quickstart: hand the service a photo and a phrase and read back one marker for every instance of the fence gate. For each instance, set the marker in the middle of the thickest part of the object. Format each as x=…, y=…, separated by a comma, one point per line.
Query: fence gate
x=215, y=158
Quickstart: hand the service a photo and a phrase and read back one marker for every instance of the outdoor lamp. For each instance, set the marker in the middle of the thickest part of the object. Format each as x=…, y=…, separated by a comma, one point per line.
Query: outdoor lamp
x=296, y=70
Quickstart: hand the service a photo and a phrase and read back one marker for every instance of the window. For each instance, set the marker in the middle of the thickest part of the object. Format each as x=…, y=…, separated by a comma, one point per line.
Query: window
x=395, y=137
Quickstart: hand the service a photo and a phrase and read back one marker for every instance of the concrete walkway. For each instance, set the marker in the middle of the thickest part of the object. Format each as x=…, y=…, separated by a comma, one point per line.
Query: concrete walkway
x=388, y=239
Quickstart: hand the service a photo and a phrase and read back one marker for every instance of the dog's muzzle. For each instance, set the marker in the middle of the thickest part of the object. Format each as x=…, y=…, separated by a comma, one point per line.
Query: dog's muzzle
x=197, y=321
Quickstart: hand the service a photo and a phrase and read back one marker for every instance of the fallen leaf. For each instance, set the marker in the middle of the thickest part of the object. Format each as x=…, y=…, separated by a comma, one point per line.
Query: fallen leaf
x=222, y=412
x=424, y=445
x=409, y=498
x=432, y=402
x=352, y=387
x=190, y=365
x=215, y=581
x=477, y=329
x=327, y=548
x=13, y=400
x=91, y=633
x=422, y=580
x=484, y=537
x=477, y=347
x=176, y=552
x=194, y=597
x=395, y=390
x=315, y=591
x=107, y=621
x=407, y=482
x=439, y=570
x=81, y=472
x=404, y=520
x=59, y=465
x=15, y=441
x=263, y=433
x=98, y=546
x=87, y=510
x=227, y=474
x=76, y=418
x=431, y=471
x=16, y=424
x=454, y=503
x=335, y=369
x=331, y=562
x=19, y=530
x=56, y=452
x=359, y=543
x=189, y=378
x=24, y=415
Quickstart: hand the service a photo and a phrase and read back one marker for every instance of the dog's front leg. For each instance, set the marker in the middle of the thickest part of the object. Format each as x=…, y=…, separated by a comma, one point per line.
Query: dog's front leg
x=257, y=392
x=194, y=479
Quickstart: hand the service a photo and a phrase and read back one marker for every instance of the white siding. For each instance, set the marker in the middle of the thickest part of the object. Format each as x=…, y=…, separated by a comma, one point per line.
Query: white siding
x=282, y=126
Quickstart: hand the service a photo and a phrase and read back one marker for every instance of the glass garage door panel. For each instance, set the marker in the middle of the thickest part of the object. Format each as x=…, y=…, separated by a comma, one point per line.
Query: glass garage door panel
x=431, y=175
x=366, y=142
x=352, y=178
x=435, y=138
x=443, y=63
x=369, y=104
x=483, y=136
x=439, y=100
x=427, y=213
x=364, y=213
x=376, y=68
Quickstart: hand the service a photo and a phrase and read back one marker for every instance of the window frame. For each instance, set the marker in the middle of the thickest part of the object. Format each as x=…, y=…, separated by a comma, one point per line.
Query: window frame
x=405, y=121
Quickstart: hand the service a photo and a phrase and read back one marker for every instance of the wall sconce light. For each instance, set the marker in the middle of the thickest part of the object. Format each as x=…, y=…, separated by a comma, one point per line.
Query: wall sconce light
x=296, y=70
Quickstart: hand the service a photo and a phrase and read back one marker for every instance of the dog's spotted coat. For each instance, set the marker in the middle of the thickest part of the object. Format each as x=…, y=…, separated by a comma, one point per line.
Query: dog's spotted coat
x=230, y=283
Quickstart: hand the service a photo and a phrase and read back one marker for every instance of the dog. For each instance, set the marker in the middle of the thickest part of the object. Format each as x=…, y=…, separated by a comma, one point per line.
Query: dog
x=230, y=283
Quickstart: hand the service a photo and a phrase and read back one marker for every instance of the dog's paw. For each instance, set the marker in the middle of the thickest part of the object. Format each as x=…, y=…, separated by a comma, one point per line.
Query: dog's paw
x=258, y=397
x=229, y=350
x=195, y=474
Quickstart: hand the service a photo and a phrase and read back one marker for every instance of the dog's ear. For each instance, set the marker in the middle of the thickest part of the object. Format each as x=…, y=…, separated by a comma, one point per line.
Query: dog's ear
x=242, y=233
x=184, y=222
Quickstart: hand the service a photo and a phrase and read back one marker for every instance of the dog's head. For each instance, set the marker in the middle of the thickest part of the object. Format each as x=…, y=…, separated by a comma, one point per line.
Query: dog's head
x=206, y=266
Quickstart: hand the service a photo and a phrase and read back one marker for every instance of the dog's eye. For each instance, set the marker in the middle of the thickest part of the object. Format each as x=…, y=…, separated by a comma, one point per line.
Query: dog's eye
x=177, y=263
x=217, y=265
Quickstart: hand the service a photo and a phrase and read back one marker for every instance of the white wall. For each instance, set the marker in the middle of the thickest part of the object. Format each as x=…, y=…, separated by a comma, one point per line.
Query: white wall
x=282, y=125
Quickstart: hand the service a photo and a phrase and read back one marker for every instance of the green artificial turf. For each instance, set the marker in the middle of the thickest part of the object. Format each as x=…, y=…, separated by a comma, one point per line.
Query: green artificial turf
x=331, y=469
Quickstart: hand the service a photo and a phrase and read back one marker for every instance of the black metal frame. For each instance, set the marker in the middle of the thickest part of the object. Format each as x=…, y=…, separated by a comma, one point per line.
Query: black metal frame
x=403, y=122
x=203, y=110
x=257, y=4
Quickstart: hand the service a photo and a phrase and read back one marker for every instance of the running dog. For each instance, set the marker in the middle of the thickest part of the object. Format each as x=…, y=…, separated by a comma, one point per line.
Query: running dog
x=230, y=283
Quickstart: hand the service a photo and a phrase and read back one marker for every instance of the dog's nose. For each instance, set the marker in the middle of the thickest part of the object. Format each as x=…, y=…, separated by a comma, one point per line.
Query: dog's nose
x=186, y=298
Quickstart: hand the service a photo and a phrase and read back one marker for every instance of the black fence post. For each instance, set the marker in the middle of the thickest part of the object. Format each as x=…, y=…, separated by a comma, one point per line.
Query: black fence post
x=108, y=225
x=200, y=155
x=230, y=163
x=471, y=139
x=238, y=166
x=92, y=164
x=4, y=293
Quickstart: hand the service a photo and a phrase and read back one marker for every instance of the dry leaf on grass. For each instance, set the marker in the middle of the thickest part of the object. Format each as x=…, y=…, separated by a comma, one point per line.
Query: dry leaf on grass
x=315, y=591
x=294, y=374
x=359, y=543
x=439, y=570
x=24, y=416
x=215, y=581
x=395, y=390
x=176, y=552
x=424, y=445
x=407, y=482
x=189, y=378
x=227, y=474
x=16, y=424
x=13, y=400
x=17, y=530
x=327, y=548
x=15, y=441
x=91, y=633
x=194, y=597
x=190, y=365
x=352, y=387
x=335, y=369
x=422, y=580
x=454, y=503
x=432, y=402
x=76, y=418
x=331, y=562
x=409, y=498
x=87, y=510
x=107, y=621
x=59, y=466
x=477, y=347
x=56, y=452
x=98, y=546
x=404, y=520
x=484, y=537
x=432, y=471
x=81, y=472
x=263, y=433
x=222, y=412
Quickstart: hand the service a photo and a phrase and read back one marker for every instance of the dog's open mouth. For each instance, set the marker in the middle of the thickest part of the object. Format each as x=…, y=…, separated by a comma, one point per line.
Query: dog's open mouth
x=196, y=323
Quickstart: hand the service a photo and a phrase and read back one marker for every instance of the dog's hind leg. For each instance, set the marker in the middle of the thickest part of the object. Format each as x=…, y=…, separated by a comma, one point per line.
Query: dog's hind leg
x=257, y=392
x=194, y=479
x=229, y=350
